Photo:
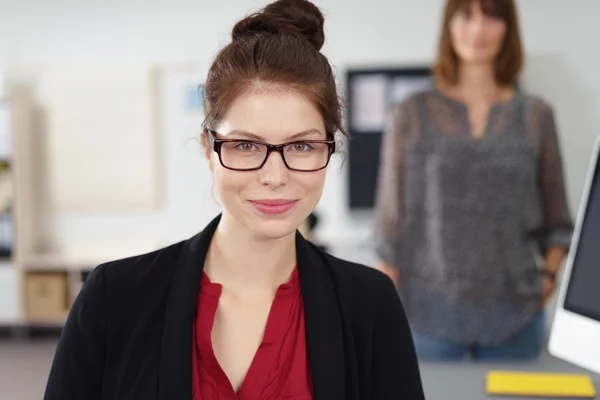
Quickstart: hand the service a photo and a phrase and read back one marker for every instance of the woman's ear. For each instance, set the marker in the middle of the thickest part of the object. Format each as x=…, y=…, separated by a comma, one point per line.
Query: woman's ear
x=211, y=164
x=205, y=142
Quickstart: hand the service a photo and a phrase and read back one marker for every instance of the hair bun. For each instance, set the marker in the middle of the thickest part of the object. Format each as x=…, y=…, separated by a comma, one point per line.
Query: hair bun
x=292, y=17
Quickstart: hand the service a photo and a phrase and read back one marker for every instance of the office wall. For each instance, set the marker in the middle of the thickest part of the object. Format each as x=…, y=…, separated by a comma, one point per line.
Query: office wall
x=560, y=39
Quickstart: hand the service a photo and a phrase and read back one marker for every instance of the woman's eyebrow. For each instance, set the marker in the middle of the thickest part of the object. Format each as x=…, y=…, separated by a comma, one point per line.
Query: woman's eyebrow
x=253, y=136
x=304, y=134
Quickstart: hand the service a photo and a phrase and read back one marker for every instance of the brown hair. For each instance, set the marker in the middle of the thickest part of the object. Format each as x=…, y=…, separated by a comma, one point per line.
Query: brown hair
x=277, y=47
x=510, y=59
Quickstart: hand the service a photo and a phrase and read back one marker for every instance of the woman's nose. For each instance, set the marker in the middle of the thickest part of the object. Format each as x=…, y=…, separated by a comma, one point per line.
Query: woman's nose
x=274, y=172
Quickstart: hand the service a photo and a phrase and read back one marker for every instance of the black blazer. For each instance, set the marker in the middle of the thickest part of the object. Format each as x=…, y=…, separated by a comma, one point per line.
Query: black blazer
x=129, y=333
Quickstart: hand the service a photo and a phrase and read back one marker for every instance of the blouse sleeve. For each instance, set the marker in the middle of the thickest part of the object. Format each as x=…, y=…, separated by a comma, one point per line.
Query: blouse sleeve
x=558, y=225
x=390, y=187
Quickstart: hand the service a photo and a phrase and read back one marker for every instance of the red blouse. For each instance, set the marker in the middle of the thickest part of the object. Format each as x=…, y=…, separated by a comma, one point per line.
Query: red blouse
x=280, y=367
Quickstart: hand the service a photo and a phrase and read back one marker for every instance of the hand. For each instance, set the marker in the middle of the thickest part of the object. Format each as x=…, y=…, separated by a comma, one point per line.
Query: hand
x=390, y=271
x=548, y=289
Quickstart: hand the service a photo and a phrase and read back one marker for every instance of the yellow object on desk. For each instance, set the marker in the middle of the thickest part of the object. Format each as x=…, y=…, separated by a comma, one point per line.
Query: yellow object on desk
x=514, y=383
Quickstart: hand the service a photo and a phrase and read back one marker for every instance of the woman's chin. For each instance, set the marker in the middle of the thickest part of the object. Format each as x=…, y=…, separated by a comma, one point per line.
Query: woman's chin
x=478, y=57
x=274, y=228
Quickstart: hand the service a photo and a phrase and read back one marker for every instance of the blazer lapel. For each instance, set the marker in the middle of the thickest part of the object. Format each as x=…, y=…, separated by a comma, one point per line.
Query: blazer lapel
x=175, y=370
x=324, y=332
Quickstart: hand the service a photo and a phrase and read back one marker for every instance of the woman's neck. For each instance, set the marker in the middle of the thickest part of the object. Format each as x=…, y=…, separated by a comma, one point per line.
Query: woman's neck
x=477, y=79
x=246, y=263
x=477, y=84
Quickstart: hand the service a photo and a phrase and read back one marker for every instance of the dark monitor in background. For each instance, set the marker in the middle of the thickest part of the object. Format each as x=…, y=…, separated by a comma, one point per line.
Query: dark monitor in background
x=575, y=334
x=370, y=94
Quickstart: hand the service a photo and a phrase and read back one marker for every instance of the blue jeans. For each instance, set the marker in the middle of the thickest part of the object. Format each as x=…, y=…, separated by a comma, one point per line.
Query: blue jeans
x=527, y=345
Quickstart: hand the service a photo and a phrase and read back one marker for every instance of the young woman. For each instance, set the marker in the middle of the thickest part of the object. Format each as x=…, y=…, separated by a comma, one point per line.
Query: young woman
x=247, y=309
x=471, y=190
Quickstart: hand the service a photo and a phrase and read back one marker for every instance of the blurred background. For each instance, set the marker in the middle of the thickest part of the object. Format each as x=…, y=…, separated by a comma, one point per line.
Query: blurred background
x=100, y=110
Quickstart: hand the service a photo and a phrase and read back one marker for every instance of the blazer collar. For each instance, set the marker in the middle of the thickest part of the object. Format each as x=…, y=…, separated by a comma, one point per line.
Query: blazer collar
x=324, y=334
x=323, y=320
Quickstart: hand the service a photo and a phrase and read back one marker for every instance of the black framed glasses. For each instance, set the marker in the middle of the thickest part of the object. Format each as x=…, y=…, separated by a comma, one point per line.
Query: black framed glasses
x=251, y=155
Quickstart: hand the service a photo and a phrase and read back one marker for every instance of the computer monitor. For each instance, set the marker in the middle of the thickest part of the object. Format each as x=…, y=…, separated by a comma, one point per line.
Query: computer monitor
x=575, y=332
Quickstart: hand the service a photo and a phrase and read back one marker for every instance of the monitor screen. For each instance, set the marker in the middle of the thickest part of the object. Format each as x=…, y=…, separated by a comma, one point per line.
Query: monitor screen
x=583, y=294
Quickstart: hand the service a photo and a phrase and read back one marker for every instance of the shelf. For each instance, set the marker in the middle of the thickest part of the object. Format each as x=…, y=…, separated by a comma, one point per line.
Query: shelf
x=85, y=257
x=51, y=322
x=46, y=262
x=10, y=322
x=54, y=263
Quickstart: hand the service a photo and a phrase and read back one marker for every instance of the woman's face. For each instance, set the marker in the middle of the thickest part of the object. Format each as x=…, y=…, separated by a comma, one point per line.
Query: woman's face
x=273, y=201
x=476, y=37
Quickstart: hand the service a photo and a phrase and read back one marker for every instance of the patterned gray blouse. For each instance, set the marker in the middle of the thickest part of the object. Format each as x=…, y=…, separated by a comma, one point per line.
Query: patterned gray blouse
x=464, y=219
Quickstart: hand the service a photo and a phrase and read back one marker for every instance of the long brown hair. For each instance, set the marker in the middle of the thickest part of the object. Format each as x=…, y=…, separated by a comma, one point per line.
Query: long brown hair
x=278, y=47
x=509, y=61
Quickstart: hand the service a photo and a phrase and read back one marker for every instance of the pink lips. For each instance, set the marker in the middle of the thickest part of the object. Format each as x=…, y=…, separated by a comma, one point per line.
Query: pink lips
x=273, y=206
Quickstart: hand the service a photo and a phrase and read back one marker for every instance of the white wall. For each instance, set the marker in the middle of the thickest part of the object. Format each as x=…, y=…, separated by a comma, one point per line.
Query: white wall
x=560, y=38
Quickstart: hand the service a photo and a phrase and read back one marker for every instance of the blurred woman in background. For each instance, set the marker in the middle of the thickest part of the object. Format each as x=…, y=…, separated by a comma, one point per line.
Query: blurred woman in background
x=471, y=188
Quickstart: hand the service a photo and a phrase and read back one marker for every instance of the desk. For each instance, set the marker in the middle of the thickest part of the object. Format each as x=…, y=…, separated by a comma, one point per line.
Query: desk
x=466, y=380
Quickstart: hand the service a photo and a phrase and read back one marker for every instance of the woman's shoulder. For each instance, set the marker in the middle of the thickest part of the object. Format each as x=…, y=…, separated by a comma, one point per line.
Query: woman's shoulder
x=360, y=282
x=535, y=103
x=141, y=269
x=367, y=296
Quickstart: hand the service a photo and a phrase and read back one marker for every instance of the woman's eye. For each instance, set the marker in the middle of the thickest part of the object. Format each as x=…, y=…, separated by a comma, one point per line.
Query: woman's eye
x=494, y=18
x=246, y=146
x=301, y=147
x=461, y=15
